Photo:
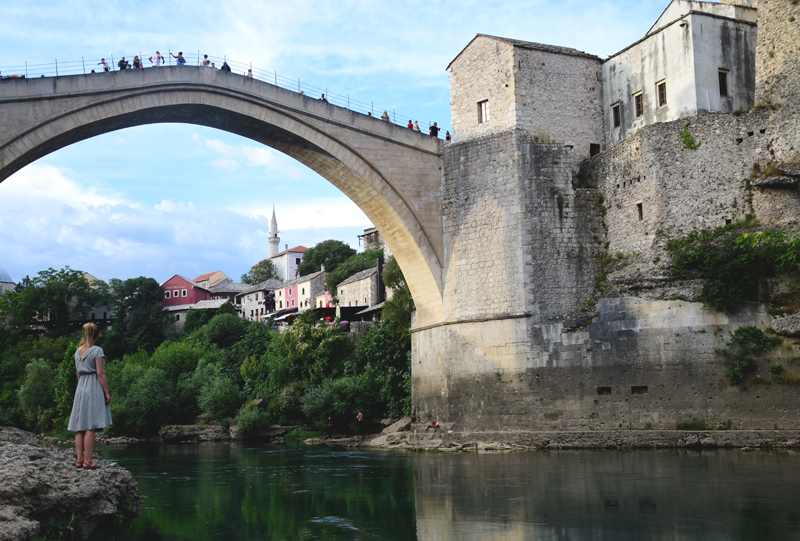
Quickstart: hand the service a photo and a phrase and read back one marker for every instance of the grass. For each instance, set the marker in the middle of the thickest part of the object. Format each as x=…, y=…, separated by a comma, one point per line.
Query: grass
x=299, y=435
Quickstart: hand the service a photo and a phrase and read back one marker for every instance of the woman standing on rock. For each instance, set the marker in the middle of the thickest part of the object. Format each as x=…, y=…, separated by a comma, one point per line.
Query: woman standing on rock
x=90, y=409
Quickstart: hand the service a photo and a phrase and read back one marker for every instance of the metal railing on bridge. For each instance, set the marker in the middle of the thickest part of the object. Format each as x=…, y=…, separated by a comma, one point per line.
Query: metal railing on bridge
x=85, y=66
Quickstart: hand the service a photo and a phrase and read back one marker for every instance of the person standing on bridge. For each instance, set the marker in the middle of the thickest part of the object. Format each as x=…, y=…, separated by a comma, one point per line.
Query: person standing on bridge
x=225, y=66
x=206, y=63
x=416, y=126
x=447, y=136
x=159, y=60
x=434, y=130
x=180, y=60
x=137, y=64
x=106, y=66
x=322, y=98
x=122, y=64
x=410, y=125
x=249, y=72
x=385, y=116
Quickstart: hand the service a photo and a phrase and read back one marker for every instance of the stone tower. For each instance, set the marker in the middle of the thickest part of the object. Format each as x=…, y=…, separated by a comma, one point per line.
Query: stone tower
x=274, y=240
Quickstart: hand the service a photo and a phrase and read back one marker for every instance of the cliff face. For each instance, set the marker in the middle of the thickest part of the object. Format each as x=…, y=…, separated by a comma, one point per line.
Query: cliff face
x=41, y=492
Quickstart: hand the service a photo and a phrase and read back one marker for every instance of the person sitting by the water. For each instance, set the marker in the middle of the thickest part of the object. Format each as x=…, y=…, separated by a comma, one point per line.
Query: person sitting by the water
x=434, y=425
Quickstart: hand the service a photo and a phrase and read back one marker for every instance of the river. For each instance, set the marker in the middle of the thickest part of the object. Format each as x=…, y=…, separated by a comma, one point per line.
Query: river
x=244, y=492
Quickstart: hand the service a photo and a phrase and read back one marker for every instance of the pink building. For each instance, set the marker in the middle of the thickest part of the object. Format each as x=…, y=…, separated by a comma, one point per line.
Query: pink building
x=181, y=290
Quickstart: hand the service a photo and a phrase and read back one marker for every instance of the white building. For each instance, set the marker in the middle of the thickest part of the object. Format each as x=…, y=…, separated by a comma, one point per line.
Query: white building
x=6, y=283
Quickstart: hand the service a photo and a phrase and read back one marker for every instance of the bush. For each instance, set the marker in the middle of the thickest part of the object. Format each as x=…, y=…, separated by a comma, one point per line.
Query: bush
x=746, y=342
x=220, y=397
x=37, y=394
x=145, y=399
x=175, y=358
x=224, y=330
x=339, y=399
x=251, y=420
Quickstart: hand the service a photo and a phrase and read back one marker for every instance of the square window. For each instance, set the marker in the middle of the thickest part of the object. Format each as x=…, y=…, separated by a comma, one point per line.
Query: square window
x=723, y=83
x=177, y=317
x=615, y=114
x=166, y=293
x=661, y=91
x=638, y=104
x=175, y=293
x=483, y=111
x=296, y=260
x=184, y=293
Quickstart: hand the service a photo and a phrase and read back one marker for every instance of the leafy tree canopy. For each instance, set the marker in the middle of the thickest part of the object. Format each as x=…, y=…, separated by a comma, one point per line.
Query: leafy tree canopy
x=330, y=253
x=141, y=322
x=398, y=309
x=261, y=272
x=52, y=298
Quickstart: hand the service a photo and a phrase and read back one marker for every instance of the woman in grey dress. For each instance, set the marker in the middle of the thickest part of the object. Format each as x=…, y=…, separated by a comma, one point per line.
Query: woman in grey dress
x=90, y=409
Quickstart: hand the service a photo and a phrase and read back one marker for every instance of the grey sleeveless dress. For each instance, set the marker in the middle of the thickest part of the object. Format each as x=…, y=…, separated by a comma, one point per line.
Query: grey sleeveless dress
x=89, y=410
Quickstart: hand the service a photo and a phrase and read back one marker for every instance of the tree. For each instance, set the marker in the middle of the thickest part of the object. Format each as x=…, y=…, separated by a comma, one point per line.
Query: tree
x=37, y=394
x=330, y=253
x=399, y=308
x=356, y=263
x=52, y=298
x=141, y=321
x=261, y=272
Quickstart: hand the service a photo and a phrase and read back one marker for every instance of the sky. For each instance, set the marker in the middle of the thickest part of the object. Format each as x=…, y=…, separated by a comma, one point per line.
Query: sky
x=168, y=199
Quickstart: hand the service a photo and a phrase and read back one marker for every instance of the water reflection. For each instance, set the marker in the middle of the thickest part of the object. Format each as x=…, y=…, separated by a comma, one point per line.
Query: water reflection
x=231, y=492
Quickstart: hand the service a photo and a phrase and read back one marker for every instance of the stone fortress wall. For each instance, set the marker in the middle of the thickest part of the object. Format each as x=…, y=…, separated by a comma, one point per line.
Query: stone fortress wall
x=523, y=240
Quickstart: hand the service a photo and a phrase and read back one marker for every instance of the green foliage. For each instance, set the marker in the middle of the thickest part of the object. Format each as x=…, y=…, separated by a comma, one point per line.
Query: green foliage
x=398, y=309
x=221, y=397
x=299, y=435
x=356, y=263
x=251, y=420
x=37, y=394
x=224, y=330
x=261, y=272
x=66, y=383
x=330, y=253
x=691, y=423
x=383, y=356
x=746, y=342
x=775, y=368
x=687, y=138
x=733, y=261
x=175, y=358
x=144, y=398
x=141, y=321
x=52, y=298
x=195, y=319
x=339, y=399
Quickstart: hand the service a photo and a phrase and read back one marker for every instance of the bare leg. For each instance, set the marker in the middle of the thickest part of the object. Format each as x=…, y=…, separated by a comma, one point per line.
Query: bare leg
x=88, y=443
x=79, y=445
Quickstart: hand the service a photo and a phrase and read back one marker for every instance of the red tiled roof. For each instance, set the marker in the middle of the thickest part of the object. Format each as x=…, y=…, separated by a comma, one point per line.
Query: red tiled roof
x=205, y=276
x=300, y=249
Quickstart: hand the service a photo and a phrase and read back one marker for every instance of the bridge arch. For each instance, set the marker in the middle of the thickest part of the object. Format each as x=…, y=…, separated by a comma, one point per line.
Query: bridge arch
x=392, y=174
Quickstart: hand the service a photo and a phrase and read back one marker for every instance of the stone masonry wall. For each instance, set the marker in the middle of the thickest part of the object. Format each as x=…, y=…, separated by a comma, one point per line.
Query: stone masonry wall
x=681, y=190
x=483, y=71
x=559, y=98
x=778, y=72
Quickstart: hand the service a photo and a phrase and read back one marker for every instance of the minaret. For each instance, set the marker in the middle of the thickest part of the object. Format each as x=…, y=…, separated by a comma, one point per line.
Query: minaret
x=274, y=241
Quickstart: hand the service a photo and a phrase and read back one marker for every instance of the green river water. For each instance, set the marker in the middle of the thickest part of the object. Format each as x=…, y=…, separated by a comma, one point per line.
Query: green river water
x=244, y=492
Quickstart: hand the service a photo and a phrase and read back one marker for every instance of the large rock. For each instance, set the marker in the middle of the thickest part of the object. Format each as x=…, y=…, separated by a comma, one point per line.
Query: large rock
x=41, y=491
x=194, y=433
x=402, y=425
x=265, y=433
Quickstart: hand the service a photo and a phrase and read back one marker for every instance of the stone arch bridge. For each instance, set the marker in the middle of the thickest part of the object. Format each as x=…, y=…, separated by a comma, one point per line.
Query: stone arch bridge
x=393, y=174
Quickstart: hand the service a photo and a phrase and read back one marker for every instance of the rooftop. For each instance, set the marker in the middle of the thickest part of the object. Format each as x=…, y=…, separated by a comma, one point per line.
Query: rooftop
x=529, y=45
x=359, y=276
x=296, y=249
x=271, y=284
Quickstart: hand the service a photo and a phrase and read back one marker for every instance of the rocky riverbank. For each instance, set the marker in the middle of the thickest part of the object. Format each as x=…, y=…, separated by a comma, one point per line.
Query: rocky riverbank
x=42, y=493
x=443, y=439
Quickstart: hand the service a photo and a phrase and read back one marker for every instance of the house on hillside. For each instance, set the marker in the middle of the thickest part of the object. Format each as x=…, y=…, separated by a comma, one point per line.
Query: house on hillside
x=372, y=240
x=301, y=293
x=229, y=290
x=286, y=262
x=180, y=290
x=258, y=301
x=177, y=313
x=212, y=279
x=363, y=289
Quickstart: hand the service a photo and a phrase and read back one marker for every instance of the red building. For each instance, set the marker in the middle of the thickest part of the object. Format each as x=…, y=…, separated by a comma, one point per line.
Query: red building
x=181, y=290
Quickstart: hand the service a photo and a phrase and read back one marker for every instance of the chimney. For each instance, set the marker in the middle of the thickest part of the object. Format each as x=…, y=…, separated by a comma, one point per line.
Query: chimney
x=381, y=287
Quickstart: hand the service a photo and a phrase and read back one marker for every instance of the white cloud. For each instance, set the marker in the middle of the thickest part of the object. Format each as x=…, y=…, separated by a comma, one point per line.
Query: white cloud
x=230, y=157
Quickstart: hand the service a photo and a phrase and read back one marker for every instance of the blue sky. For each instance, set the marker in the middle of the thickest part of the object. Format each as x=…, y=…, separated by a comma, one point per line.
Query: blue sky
x=170, y=199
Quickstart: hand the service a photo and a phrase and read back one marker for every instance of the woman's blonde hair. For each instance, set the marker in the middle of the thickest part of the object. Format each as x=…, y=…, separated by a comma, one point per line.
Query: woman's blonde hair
x=90, y=334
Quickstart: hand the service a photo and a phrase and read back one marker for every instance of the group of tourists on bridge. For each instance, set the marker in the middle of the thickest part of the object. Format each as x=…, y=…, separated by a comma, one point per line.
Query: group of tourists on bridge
x=157, y=60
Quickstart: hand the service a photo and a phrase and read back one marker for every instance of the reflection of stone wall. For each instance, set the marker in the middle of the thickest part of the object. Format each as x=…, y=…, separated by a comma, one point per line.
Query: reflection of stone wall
x=661, y=495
